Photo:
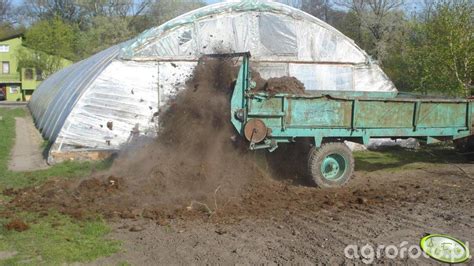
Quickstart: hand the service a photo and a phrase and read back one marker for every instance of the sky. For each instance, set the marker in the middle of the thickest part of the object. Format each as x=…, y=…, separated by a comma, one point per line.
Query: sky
x=409, y=4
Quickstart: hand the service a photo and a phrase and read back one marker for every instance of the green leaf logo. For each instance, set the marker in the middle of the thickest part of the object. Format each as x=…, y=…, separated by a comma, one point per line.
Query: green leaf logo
x=445, y=248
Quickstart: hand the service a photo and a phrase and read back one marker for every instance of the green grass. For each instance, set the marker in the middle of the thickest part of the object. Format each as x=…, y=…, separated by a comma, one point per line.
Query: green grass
x=53, y=239
x=57, y=239
x=9, y=179
x=396, y=158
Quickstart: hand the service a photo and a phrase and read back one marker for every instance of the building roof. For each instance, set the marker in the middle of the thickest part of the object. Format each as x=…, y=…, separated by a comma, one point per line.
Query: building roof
x=12, y=36
x=161, y=42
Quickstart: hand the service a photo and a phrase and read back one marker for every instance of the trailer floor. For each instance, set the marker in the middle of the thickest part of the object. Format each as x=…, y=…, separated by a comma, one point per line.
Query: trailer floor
x=297, y=224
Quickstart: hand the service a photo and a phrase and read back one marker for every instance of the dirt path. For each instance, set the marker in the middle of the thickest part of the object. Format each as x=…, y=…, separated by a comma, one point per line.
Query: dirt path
x=27, y=153
x=389, y=208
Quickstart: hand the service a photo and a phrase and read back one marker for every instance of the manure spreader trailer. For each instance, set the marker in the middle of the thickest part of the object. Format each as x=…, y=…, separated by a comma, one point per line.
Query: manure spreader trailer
x=329, y=118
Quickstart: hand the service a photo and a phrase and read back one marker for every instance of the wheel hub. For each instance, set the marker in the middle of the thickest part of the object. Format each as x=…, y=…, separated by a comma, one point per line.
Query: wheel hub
x=333, y=166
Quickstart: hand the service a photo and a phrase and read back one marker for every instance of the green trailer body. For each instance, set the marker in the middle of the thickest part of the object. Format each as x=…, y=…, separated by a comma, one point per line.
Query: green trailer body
x=331, y=117
x=347, y=115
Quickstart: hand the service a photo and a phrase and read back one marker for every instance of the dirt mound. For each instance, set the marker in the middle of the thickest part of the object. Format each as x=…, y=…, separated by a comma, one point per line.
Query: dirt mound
x=274, y=86
x=17, y=225
x=195, y=162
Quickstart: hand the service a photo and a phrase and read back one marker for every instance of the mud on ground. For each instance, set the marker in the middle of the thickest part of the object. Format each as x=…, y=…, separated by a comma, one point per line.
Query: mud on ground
x=284, y=222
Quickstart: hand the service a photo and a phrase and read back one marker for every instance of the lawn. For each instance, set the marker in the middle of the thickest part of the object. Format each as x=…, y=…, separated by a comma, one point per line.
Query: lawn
x=396, y=158
x=10, y=179
x=52, y=238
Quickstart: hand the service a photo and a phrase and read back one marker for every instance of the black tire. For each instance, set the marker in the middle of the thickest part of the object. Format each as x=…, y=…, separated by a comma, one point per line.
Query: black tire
x=331, y=157
x=464, y=145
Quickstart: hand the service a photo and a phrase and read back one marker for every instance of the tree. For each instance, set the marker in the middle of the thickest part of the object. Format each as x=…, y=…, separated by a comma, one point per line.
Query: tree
x=46, y=44
x=82, y=12
x=52, y=36
x=75, y=29
x=105, y=32
x=441, y=52
x=66, y=10
x=161, y=11
x=8, y=19
x=318, y=8
x=5, y=9
x=381, y=18
x=48, y=64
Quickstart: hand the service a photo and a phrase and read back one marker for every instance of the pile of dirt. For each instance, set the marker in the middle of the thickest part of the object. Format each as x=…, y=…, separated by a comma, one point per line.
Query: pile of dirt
x=272, y=86
x=195, y=162
x=17, y=225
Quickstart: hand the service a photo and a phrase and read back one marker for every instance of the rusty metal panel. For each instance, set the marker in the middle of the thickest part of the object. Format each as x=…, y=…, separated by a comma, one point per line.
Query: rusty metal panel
x=379, y=114
x=442, y=115
x=268, y=107
x=319, y=113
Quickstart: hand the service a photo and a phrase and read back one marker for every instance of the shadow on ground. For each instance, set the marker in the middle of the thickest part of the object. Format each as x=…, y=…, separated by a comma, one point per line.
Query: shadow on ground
x=289, y=161
x=393, y=158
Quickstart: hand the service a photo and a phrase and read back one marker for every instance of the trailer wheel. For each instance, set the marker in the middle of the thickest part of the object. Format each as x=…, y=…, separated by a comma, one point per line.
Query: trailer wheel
x=331, y=165
x=464, y=145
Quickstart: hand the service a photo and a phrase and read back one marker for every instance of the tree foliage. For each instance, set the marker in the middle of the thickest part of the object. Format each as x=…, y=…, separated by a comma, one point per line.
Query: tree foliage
x=52, y=36
x=48, y=64
x=46, y=43
x=5, y=9
x=430, y=51
x=105, y=32
x=440, y=55
x=163, y=10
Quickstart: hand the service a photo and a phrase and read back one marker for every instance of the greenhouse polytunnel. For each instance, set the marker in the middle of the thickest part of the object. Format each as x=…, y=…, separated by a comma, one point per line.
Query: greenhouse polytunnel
x=96, y=104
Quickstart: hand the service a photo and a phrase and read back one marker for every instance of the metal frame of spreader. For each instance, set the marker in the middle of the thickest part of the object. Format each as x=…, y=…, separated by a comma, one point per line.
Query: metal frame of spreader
x=341, y=115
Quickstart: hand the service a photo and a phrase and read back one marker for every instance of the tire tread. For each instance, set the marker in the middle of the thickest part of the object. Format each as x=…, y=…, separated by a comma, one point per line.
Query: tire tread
x=314, y=159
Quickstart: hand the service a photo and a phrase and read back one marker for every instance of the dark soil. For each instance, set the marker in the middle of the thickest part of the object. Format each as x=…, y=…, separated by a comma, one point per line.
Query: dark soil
x=272, y=86
x=286, y=223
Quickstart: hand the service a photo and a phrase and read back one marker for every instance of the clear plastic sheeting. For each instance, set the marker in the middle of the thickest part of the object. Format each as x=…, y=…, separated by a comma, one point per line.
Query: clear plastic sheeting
x=274, y=33
x=267, y=29
x=105, y=118
x=269, y=70
x=100, y=102
x=381, y=144
x=55, y=98
x=278, y=35
x=324, y=77
x=372, y=78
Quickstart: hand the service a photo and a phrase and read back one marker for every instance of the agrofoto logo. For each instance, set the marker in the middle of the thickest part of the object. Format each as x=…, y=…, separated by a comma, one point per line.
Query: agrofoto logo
x=442, y=248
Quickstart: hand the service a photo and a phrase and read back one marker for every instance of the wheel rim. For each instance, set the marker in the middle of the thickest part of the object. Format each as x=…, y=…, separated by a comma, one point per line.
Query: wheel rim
x=333, y=167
